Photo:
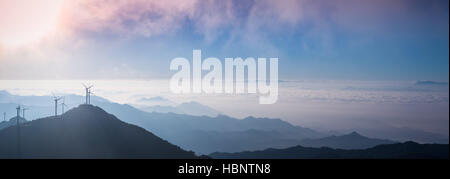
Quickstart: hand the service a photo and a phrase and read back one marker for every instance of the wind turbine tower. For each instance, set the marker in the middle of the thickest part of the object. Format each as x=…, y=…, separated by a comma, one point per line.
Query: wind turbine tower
x=23, y=111
x=88, y=93
x=63, y=104
x=18, y=132
x=56, y=104
x=18, y=114
x=4, y=116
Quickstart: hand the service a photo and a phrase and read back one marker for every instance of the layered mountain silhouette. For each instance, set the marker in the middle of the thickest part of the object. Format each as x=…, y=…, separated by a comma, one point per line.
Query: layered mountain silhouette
x=407, y=150
x=222, y=133
x=403, y=134
x=349, y=141
x=85, y=132
x=155, y=101
x=189, y=108
x=205, y=134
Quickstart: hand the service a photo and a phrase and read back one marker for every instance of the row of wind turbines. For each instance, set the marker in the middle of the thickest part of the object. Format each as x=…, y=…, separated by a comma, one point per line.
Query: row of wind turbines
x=56, y=99
x=63, y=104
x=18, y=108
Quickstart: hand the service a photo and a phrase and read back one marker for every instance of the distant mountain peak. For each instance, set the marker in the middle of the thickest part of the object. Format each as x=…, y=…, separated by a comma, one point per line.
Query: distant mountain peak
x=15, y=119
x=429, y=82
x=356, y=134
x=86, y=108
x=156, y=100
x=353, y=140
x=87, y=111
x=4, y=92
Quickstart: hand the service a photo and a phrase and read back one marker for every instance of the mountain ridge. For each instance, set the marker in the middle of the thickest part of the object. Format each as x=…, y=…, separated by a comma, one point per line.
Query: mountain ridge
x=353, y=140
x=86, y=132
x=406, y=150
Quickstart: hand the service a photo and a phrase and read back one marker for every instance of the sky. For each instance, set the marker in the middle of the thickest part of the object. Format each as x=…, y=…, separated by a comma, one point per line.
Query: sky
x=137, y=39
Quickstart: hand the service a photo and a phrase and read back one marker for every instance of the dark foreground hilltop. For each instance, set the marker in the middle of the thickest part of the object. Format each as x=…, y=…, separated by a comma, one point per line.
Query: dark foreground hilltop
x=407, y=150
x=85, y=132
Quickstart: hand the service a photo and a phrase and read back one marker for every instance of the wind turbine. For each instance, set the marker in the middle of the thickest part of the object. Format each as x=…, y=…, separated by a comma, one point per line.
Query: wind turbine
x=4, y=116
x=23, y=111
x=90, y=92
x=88, y=88
x=18, y=114
x=56, y=104
x=63, y=104
x=18, y=132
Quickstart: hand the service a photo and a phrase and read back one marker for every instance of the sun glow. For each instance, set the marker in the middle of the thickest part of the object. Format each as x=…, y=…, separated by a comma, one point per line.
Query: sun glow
x=23, y=22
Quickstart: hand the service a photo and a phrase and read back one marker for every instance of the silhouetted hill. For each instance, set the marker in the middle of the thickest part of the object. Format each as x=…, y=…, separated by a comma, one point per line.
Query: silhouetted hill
x=11, y=122
x=85, y=132
x=407, y=150
x=349, y=141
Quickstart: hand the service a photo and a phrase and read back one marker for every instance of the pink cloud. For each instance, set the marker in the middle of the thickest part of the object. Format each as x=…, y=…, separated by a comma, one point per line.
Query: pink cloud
x=153, y=17
x=138, y=17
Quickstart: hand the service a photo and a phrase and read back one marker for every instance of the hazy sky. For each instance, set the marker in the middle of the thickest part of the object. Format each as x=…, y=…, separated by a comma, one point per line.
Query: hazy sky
x=136, y=39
